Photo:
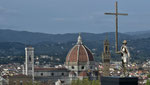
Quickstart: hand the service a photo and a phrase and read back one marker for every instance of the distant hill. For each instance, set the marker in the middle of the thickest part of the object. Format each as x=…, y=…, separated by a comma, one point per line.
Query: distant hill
x=12, y=43
x=139, y=34
x=23, y=36
x=33, y=37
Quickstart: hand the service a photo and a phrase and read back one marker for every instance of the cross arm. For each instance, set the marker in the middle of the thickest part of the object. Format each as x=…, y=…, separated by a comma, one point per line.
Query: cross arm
x=110, y=13
x=116, y=14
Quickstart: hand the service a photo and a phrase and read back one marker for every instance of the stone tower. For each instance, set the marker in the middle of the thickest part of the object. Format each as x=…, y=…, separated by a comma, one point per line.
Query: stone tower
x=106, y=58
x=29, y=61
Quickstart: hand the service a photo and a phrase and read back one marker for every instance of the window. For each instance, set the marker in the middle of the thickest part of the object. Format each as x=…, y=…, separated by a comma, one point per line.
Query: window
x=29, y=57
x=106, y=48
x=62, y=74
x=72, y=67
x=82, y=67
x=41, y=74
x=52, y=74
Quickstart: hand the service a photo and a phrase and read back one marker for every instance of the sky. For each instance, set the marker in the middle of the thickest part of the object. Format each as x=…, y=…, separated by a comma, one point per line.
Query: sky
x=72, y=16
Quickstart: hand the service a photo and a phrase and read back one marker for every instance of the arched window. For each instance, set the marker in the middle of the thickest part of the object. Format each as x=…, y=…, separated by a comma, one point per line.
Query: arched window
x=106, y=48
x=82, y=67
x=62, y=74
x=41, y=74
x=29, y=57
x=52, y=74
x=72, y=67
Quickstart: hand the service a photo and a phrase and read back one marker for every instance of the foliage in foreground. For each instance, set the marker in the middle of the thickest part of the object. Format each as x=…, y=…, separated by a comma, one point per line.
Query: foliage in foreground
x=85, y=82
x=30, y=83
x=148, y=82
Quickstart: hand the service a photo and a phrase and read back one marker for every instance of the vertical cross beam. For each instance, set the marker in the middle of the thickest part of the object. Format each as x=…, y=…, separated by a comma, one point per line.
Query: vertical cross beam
x=116, y=15
x=116, y=44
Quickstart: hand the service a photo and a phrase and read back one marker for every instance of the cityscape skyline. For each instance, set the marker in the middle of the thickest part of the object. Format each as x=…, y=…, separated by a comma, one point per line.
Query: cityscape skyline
x=73, y=42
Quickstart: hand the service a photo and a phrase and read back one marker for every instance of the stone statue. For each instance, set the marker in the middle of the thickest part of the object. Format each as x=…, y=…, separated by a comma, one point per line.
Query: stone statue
x=125, y=55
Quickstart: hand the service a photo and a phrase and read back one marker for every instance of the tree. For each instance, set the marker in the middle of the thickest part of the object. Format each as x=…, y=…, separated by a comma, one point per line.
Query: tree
x=97, y=82
x=85, y=82
x=93, y=82
x=148, y=82
x=148, y=75
x=78, y=82
x=73, y=82
x=31, y=83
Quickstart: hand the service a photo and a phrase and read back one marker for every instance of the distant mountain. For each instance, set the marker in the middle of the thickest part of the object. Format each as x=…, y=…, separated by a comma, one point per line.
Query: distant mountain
x=23, y=36
x=12, y=43
x=139, y=34
x=33, y=37
x=139, y=50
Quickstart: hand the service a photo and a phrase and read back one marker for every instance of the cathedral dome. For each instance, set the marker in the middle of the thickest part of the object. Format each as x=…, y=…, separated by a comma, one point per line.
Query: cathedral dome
x=79, y=53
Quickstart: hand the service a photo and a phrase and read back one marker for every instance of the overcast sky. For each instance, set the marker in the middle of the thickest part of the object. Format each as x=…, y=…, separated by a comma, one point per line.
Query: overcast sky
x=72, y=16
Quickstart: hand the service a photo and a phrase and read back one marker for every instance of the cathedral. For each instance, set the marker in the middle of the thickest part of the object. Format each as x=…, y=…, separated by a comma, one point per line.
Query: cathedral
x=79, y=64
x=80, y=61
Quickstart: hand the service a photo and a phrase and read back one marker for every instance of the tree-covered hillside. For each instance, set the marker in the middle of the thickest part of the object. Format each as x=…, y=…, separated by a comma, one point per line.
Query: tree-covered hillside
x=58, y=45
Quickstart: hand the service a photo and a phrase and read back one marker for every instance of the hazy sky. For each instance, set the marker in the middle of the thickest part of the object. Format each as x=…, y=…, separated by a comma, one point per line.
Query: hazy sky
x=71, y=16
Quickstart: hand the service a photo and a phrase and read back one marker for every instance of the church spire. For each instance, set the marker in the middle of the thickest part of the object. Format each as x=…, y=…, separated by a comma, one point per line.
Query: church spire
x=106, y=42
x=79, y=39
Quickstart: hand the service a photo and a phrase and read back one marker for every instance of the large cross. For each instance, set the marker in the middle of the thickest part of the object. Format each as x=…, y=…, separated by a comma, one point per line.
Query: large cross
x=116, y=14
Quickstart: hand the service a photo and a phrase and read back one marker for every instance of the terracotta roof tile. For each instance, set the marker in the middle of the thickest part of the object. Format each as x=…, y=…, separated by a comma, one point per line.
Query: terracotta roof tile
x=79, y=53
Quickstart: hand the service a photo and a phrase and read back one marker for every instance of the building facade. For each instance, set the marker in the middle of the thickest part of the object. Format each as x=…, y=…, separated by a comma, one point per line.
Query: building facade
x=79, y=64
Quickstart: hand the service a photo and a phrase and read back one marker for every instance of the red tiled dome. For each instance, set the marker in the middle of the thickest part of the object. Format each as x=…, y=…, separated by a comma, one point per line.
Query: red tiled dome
x=79, y=53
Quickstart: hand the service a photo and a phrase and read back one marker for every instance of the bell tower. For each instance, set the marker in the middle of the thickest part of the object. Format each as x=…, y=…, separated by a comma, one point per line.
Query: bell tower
x=106, y=58
x=29, y=61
